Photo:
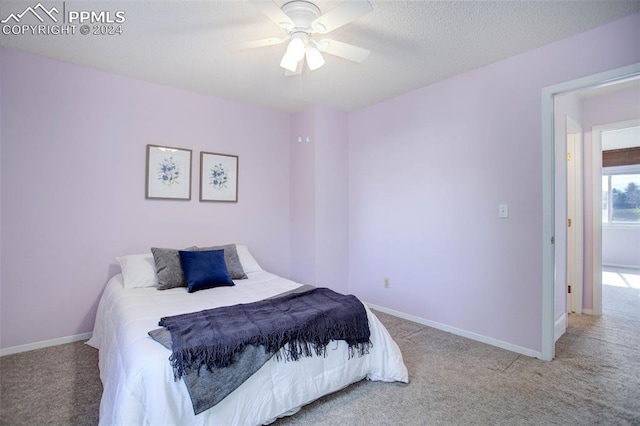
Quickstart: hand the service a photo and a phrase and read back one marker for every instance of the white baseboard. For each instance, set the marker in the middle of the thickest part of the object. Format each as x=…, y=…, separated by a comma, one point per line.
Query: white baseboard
x=615, y=265
x=560, y=326
x=459, y=332
x=44, y=344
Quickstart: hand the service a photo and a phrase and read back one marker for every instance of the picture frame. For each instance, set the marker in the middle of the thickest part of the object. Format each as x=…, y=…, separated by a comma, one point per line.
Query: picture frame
x=219, y=177
x=168, y=173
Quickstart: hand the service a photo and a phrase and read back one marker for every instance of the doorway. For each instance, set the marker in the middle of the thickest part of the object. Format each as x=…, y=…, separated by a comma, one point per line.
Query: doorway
x=603, y=204
x=550, y=284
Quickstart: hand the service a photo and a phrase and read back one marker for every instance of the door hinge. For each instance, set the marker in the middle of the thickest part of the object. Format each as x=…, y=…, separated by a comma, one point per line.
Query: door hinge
x=569, y=223
x=569, y=289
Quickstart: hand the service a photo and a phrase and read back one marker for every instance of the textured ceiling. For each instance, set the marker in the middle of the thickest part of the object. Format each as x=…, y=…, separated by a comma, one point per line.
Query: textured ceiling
x=412, y=43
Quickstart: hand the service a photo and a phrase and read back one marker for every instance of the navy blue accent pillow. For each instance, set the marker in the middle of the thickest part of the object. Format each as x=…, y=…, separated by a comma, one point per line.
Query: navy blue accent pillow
x=204, y=269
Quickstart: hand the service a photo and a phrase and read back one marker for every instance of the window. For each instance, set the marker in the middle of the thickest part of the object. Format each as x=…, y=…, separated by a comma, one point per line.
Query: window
x=621, y=195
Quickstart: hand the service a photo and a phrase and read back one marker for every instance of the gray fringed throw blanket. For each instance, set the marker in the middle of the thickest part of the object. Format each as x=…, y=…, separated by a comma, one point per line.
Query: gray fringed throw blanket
x=302, y=323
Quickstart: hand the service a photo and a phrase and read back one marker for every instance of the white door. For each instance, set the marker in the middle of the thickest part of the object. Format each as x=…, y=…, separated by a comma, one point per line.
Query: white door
x=575, y=259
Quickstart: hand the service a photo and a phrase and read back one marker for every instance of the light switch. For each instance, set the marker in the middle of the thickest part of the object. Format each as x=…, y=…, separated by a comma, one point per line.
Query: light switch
x=503, y=210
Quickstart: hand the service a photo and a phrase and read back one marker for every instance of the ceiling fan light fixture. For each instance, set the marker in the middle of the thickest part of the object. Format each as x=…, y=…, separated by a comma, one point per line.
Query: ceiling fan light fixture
x=314, y=58
x=296, y=46
x=289, y=62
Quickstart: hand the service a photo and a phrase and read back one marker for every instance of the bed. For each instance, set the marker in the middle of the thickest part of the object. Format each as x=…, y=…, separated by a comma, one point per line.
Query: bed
x=138, y=380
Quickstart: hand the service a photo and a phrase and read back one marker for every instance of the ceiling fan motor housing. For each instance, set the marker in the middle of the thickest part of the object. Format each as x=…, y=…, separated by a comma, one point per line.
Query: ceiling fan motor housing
x=302, y=13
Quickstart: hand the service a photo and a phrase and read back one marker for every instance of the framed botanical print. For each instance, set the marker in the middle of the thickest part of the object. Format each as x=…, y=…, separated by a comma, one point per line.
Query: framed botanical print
x=218, y=177
x=168, y=173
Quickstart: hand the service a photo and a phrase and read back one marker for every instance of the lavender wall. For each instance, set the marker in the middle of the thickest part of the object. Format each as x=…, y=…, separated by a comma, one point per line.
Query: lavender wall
x=319, y=198
x=332, y=198
x=73, y=184
x=303, y=197
x=427, y=171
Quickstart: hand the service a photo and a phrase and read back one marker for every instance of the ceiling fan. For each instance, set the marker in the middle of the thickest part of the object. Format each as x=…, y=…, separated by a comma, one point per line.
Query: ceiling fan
x=303, y=23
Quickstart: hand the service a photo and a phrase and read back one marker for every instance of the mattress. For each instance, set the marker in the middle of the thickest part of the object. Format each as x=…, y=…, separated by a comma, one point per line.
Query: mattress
x=138, y=381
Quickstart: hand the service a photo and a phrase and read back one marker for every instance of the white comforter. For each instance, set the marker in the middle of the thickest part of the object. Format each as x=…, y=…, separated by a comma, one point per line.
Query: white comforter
x=139, y=388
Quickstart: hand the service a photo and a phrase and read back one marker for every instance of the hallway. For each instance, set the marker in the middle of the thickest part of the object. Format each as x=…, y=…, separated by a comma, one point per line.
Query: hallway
x=621, y=292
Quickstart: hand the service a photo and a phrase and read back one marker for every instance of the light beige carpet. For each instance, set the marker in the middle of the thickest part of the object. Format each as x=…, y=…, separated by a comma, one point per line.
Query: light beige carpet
x=594, y=380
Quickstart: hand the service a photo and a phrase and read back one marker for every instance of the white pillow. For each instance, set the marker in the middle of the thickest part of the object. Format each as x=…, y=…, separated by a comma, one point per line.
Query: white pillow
x=138, y=270
x=249, y=264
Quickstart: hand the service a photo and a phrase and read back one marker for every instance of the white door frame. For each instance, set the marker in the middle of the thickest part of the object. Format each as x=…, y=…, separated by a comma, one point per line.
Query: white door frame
x=548, y=193
x=596, y=166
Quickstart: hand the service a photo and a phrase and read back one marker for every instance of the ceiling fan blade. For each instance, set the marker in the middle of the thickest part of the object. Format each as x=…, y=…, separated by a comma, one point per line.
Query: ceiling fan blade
x=244, y=45
x=343, y=50
x=274, y=13
x=341, y=15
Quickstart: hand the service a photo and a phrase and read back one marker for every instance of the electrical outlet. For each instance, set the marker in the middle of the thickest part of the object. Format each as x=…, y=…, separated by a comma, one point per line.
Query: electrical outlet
x=387, y=284
x=503, y=211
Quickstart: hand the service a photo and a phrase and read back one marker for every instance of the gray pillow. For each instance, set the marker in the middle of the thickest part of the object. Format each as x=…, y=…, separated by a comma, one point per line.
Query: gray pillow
x=230, y=258
x=169, y=268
